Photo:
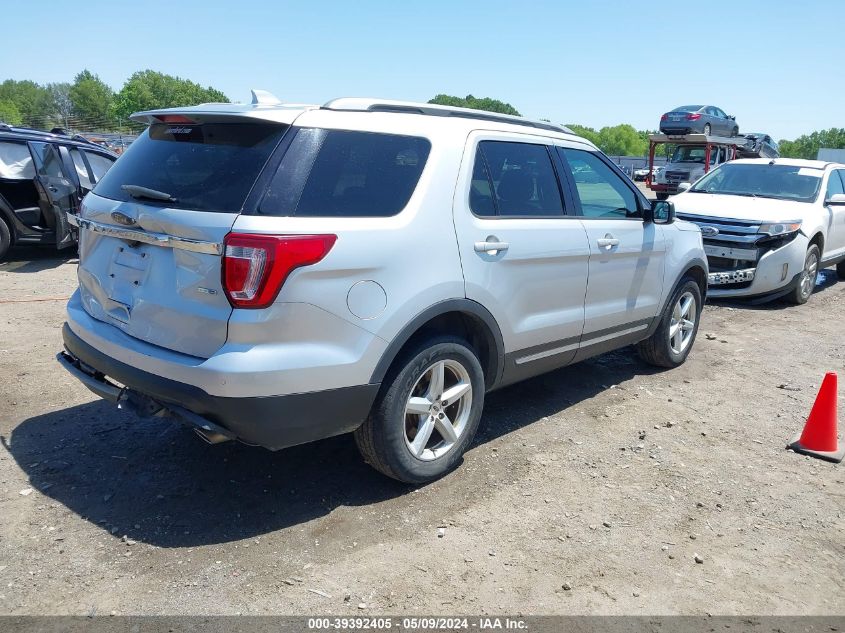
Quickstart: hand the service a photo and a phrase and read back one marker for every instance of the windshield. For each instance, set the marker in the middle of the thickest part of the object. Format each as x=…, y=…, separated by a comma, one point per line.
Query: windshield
x=763, y=180
x=691, y=154
x=205, y=167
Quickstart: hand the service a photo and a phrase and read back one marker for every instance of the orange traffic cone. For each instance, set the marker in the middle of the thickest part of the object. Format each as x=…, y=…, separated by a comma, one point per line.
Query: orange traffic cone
x=819, y=436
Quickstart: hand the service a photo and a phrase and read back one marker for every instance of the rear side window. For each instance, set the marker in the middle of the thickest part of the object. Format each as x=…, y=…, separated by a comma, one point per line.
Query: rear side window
x=99, y=164
x=16, y=162
x=521, y=181
x=206, y=167
x=342, y=173
x=81, y=169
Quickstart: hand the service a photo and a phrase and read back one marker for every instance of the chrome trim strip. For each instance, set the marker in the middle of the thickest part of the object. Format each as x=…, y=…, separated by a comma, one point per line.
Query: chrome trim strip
x=607, y=337
x=723, y=224
x=157, y=239
x=546, y=353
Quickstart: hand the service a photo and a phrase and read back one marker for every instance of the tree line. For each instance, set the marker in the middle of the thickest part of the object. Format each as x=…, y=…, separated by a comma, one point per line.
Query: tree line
x=89, y=104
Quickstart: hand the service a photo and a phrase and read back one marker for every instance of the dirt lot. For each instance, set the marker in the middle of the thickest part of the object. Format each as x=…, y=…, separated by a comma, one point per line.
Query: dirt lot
x=589, y=490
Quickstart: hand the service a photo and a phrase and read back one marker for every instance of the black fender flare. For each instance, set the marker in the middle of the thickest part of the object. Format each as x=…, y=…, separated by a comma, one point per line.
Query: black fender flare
x=693, y=263
x=473, y=309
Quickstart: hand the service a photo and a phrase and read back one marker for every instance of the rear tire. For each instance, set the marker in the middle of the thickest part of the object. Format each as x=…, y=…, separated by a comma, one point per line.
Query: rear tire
x=410, y=407
x=840, y=271
x=673, y=339
x=5, y=238
x=707, y=129
x=662, y=196
x=807, y=282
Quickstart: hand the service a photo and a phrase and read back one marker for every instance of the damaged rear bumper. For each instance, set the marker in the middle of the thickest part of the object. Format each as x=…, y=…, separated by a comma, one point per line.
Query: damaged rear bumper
x=273, y=422
x=142, y=405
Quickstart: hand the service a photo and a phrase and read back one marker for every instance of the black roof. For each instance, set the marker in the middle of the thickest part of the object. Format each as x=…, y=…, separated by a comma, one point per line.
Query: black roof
x=10, y=133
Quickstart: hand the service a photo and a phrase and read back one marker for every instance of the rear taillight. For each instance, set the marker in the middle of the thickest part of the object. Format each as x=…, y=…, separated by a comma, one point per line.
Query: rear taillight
x=664, y=117
x=255, y=266
x=693, y=116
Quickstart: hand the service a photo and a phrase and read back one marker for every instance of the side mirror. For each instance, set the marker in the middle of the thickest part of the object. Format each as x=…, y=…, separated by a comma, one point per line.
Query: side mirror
x=837, y=199
x=684, y=186
x=732, y=117
x=660, y=212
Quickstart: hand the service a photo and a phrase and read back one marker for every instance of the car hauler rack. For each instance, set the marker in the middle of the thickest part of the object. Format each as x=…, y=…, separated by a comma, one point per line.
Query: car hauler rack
x=712, y=150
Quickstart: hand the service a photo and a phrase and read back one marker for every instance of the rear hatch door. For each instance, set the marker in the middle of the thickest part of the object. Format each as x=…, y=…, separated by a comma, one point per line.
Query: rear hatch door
x=152, y=231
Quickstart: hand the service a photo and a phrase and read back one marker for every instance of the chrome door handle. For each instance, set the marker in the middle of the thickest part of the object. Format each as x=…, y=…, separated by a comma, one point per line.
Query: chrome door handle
x=608, y=241
x=491, y=247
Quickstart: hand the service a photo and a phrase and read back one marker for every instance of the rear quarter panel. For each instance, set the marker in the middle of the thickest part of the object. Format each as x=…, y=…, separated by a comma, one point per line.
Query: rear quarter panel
x=407, y=262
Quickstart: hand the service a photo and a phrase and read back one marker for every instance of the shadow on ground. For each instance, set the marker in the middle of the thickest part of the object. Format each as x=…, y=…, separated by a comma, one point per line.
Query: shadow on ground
x=32, y=259
x=111, y=468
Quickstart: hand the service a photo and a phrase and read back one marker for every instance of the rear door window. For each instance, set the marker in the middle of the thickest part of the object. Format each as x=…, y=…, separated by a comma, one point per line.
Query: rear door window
x=521, y=181
x=204, y=166
x=15, y=162
x=343, y=173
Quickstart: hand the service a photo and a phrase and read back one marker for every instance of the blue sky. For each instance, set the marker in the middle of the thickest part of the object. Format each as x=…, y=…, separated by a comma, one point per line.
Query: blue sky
x=778, y=66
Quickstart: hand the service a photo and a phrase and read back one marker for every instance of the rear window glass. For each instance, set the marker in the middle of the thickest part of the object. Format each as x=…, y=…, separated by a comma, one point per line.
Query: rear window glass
x=341, y=173
x=206, y=167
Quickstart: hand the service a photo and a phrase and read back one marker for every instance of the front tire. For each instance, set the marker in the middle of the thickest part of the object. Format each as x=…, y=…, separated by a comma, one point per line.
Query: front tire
x=671, y=343
x=5, y=238
x=840, y=271
x=807, y=282
x=427, y=412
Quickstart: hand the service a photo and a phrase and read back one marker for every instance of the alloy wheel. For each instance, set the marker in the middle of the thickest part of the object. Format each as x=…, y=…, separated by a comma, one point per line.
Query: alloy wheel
x=682, y=324
x=438, y=410
x=808, y=277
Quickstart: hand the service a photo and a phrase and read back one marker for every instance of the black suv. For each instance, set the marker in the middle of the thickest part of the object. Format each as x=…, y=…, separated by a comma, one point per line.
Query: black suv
x=43, y=176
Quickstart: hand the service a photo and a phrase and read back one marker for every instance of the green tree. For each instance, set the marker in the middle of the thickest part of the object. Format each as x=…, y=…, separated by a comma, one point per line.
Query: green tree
x=616, y=140
x=585, y=132
x=33, y=102
x=148, y=90
x=9, y=113
x=621, y=140
x=61, y=101
x=808, y=145
x=484, y=103
x=91, y=99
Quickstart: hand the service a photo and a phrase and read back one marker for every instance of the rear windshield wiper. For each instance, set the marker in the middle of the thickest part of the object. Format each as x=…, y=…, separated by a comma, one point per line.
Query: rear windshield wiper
x=137, y=191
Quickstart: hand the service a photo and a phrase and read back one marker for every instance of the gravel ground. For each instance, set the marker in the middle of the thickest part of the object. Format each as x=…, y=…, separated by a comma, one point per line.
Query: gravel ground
x=589, y=490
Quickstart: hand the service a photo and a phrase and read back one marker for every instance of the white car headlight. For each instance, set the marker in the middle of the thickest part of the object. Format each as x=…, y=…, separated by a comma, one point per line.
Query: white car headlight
x=779, y=228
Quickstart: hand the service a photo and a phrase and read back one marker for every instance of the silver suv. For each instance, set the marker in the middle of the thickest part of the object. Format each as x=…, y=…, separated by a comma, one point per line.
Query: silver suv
x=279, y=274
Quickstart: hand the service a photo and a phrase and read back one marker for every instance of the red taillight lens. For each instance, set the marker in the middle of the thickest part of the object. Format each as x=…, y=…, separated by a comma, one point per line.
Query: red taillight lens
x=693, y=116
x=256, y=266
x=664, y=117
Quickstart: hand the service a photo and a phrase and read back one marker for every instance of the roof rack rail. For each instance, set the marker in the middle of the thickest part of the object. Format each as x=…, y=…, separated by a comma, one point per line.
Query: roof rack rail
x=429, y=109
